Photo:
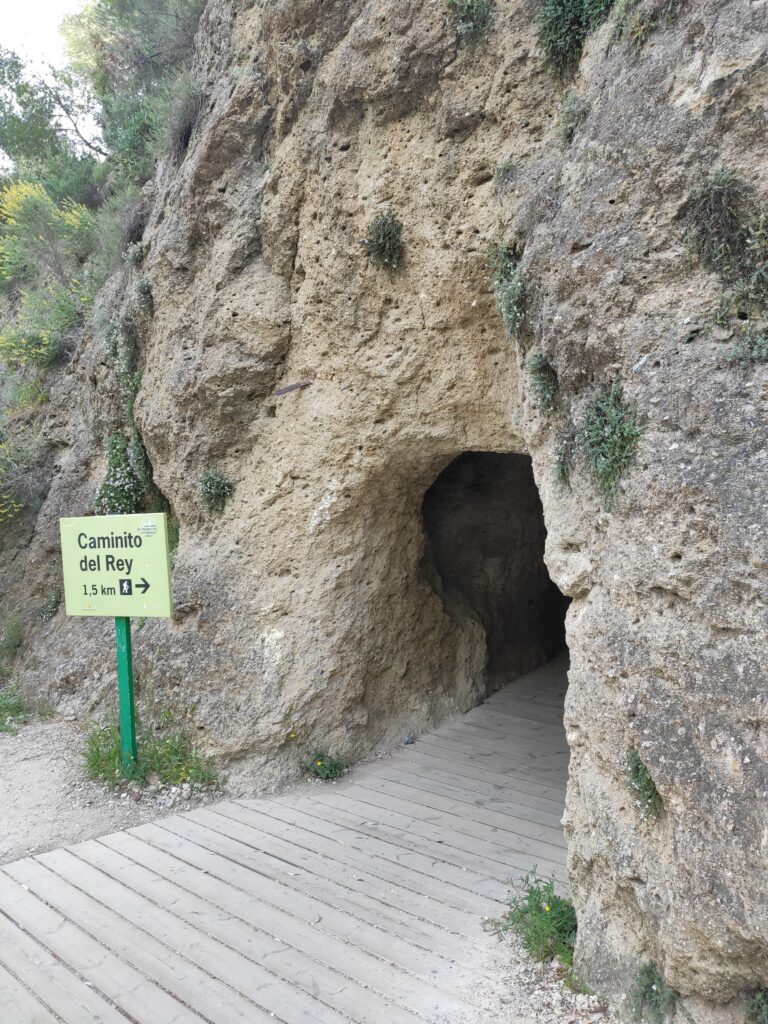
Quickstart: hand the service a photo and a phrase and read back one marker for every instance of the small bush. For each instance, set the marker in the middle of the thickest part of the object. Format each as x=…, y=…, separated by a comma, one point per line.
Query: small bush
x=472, y=19
x=384, y=240
x=504, y=174
x=134, y=254
x=637, y=19
x=756, y=1007
x=544, y=921
x=13, y=709
x=508, y=285
x=563, y=27
x=174, y=113
x=169, y=756
x=215, y=490
x=640, y=781
x=121, y=490
x=50, y=606
x=566, y=456
x=608, y=437
x=543, y=380
x=572, y=113
x=652, y=999
x=751, y=347
x=324, y=766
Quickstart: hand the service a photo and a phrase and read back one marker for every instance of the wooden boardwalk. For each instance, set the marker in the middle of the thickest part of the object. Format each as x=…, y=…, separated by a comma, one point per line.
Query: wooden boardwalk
x=353, y=903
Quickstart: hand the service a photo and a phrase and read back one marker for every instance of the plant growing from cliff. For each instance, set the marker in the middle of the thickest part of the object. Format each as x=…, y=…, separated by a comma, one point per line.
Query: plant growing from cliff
x=544, y=921
x=472, y=19
x=504, y=174
x=11, y=636
x=729, y=231
x=508, y=285
x=384, y=240
x=637, y=19
x=215, y=491
x=751, y=347
x=572, y=113
x=543, y=380
x=608, y=436
x=756, y=1007
x=642, y=785
x=567, y=448
x=121, y=489
x=652, y=998
x=325, y=766
x=174, y=112
x=50, y=606
x=564, y=26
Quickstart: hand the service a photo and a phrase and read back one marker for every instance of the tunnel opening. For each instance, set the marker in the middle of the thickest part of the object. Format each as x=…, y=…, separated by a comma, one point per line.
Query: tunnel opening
x=485, y=558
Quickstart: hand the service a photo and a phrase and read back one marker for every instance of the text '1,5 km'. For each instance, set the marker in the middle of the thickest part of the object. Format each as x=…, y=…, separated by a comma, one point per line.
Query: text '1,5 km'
x=116, y=565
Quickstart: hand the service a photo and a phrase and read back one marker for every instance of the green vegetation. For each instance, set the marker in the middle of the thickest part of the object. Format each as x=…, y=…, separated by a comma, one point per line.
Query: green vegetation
x=325, y=766
x=756, y=1007
x=543, y=380
x=643, y=786
x=11, y=636
x=729, y=232
x=508, y=285
x=384, y=240
x=637, y=19
x=567, y=448
x=504, y=174
x=166, y=755
x=50, y=606
x=572, y=112
x=608, y=436
x=13, y=709
x=751, y=347
x=544, y=921
x=215, y=490
x=472, y=19
x=121, y=490
x=563, y=28
x=652, y=999
x=174, y=113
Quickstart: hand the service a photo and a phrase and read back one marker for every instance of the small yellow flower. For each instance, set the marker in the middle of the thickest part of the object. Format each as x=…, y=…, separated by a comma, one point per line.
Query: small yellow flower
x=546, y=907
x=318, y=763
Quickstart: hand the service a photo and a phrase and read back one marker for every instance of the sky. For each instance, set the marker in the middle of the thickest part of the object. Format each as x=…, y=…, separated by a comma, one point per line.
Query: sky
x=31, y=28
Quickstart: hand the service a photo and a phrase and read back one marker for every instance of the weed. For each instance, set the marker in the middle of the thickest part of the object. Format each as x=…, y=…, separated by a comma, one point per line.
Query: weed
x=544, y=921
x=652, y=999
x=751, y=347
x=564, y=26
x=50, y=606
x=472, y=19
x=11, y=636
x=566, y=456
x=174, y=113
x=134, y=253
x=641, y=782
x=143, y=296
x=325, y=766
x=572, y=112
x=543, y=380
x=756, y=1007
x=504, y=174
x=508, y=285
x=608, y=437
x=384, y=240
x=121, y=489
x=215, y=490
x=637, y=19
x=167, y=755
x=13, y=709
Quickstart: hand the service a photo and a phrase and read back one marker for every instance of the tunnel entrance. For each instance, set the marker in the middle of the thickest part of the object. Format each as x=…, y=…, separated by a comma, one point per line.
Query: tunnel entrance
x=485, y=528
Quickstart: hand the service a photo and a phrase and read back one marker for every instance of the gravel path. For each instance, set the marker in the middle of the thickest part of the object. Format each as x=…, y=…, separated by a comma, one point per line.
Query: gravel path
x=46, y=800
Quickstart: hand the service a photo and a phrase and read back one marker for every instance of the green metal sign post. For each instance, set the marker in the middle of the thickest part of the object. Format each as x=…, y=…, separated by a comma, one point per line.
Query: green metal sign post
x=118, y=566
x=125, y=693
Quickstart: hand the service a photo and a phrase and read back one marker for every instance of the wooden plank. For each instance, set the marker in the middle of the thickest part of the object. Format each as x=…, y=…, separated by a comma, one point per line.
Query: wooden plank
x=67, y=994
x=320, y=964
x=132, y=991
x=18, y=1005
x=243, y=891
x=476, y=753
x=535, y=756
x=222, y=983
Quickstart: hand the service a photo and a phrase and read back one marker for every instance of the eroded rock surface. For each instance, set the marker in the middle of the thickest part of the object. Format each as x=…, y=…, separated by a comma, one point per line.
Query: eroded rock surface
x=305, y=608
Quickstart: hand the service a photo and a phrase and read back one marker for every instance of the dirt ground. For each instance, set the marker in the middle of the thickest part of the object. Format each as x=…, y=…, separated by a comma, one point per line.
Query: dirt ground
x=47, y=801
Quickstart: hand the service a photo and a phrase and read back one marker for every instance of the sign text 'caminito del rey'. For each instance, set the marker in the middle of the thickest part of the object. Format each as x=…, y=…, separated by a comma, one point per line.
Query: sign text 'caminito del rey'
x=116, y=565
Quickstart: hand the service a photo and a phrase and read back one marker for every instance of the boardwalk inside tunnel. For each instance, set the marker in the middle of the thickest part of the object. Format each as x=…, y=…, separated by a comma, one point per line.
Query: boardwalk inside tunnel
x=355, y=902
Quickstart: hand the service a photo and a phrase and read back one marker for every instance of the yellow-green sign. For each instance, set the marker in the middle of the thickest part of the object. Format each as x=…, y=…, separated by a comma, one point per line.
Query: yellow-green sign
x=117, y=565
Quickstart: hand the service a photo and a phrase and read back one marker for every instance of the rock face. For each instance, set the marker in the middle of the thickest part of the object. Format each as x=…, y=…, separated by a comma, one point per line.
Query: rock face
x=311, y=605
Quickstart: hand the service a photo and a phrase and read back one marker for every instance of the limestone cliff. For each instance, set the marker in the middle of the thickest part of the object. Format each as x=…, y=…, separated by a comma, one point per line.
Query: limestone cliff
x=311, y=606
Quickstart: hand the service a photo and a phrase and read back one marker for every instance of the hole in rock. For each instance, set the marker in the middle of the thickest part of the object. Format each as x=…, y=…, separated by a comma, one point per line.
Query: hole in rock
x=485, y=558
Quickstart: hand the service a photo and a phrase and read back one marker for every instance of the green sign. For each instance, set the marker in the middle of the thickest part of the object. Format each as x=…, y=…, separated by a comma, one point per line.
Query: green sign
x=117, y=565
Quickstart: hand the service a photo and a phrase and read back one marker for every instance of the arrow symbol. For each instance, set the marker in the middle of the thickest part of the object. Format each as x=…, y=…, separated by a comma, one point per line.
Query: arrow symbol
x=143, y=586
